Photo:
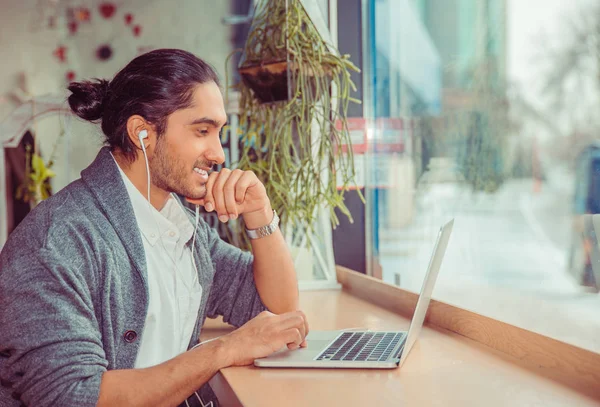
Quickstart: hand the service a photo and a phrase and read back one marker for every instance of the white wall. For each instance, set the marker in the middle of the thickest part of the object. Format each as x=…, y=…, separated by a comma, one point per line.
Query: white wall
x=26, y=46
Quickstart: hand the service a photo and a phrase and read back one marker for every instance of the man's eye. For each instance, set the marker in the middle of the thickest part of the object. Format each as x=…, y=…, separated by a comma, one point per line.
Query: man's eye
x=203, y=132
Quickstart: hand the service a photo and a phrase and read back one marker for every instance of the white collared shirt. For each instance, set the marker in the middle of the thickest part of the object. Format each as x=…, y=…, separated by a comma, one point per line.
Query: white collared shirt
x=174, y=289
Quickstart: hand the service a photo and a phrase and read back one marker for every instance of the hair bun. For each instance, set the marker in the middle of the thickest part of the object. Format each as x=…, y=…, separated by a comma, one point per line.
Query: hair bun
x=87, y=98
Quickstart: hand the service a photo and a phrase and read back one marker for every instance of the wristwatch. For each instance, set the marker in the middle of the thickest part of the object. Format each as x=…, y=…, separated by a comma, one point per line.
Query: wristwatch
x=266, y=230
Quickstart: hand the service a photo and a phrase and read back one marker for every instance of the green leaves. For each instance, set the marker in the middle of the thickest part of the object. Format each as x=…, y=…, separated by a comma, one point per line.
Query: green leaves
x=294, y=145
x=36, y=186
x=40, y=172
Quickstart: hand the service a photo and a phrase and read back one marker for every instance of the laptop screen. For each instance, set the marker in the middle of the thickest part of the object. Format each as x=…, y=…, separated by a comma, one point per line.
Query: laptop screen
x=430, y=278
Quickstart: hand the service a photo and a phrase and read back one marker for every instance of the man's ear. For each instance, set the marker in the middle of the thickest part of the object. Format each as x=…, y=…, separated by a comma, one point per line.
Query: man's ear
x=135, y=125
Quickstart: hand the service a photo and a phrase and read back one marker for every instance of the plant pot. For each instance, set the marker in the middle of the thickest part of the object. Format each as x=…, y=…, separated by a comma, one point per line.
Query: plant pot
x=269, y=81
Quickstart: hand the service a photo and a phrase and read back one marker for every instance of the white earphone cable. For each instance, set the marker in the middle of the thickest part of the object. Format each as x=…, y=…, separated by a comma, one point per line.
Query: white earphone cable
x=194, y=244
x=210, y=404
x=158, y=226
x=176, y=271
x=147, y=171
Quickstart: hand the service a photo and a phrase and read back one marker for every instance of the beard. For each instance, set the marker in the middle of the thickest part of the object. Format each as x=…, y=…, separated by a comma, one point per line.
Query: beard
x=170, y=173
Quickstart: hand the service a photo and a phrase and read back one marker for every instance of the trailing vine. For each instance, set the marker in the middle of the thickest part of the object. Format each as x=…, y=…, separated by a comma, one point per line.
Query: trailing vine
x=293, y=143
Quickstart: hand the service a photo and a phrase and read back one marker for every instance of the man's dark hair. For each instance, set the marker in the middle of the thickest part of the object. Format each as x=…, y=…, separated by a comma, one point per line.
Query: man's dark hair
x=153, y=85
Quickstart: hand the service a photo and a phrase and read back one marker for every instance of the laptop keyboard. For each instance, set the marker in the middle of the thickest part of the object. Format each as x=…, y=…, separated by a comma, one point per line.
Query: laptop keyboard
x=362, y=346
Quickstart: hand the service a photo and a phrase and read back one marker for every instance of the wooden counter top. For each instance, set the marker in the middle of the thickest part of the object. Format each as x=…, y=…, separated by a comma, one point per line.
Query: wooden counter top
x=443, y=369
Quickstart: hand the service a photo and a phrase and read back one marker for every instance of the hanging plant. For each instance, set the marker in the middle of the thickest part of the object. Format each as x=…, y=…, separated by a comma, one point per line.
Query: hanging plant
x=295, y=88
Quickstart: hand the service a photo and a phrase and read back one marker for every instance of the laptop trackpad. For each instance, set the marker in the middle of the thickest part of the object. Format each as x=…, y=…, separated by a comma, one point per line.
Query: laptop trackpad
x=317, y=341
x=317, y=345
x=313, y=346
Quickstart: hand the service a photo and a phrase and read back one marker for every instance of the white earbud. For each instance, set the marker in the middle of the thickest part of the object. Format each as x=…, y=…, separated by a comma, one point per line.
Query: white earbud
x=143, y=135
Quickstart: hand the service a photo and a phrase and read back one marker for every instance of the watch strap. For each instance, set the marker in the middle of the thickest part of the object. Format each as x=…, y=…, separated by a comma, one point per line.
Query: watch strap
x=266, y=230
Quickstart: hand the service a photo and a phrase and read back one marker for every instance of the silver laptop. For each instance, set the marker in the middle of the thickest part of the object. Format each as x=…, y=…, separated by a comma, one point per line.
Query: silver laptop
x=365, y=349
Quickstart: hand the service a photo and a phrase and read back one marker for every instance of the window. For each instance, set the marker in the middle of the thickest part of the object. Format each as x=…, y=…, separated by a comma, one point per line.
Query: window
x=486, y=111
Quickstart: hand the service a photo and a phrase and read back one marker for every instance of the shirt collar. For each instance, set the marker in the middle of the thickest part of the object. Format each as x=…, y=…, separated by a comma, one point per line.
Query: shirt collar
x=170, y=223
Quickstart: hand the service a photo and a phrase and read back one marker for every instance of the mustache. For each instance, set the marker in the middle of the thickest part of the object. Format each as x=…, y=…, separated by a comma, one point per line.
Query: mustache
x=206, y=164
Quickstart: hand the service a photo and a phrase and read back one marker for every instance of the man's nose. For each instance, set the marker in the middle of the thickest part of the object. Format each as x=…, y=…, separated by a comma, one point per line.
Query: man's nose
x=215, y=152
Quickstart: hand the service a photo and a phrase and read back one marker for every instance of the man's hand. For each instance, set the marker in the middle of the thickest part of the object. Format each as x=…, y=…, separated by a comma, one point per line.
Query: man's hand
x=264, y=335
x=235, y=193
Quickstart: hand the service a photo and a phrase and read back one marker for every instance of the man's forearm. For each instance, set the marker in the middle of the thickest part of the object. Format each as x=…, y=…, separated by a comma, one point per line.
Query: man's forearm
x=167, y=384
x=274, y=272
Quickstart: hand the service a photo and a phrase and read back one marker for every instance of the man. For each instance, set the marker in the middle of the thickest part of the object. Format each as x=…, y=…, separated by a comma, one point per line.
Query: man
x=102, y=295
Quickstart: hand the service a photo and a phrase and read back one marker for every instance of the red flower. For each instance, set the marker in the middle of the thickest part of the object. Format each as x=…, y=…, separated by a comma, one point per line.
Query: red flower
x=107, y=9
x=61, y=53
x=73, y=27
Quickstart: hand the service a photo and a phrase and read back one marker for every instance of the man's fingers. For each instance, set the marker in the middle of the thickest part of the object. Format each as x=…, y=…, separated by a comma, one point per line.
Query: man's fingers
x=306, y=327
x=293, y=338
x=291, y=314
x=226, y=191
x=295, y=320
x=209, y=203
x=229, y=193
x=219, y=197
x=247, y=179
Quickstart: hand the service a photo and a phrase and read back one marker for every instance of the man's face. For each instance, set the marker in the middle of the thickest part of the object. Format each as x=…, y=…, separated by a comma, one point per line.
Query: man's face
x=191, y=144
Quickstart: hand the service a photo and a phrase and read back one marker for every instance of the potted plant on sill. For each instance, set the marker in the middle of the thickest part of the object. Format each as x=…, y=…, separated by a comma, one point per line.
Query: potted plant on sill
x=36, y=185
